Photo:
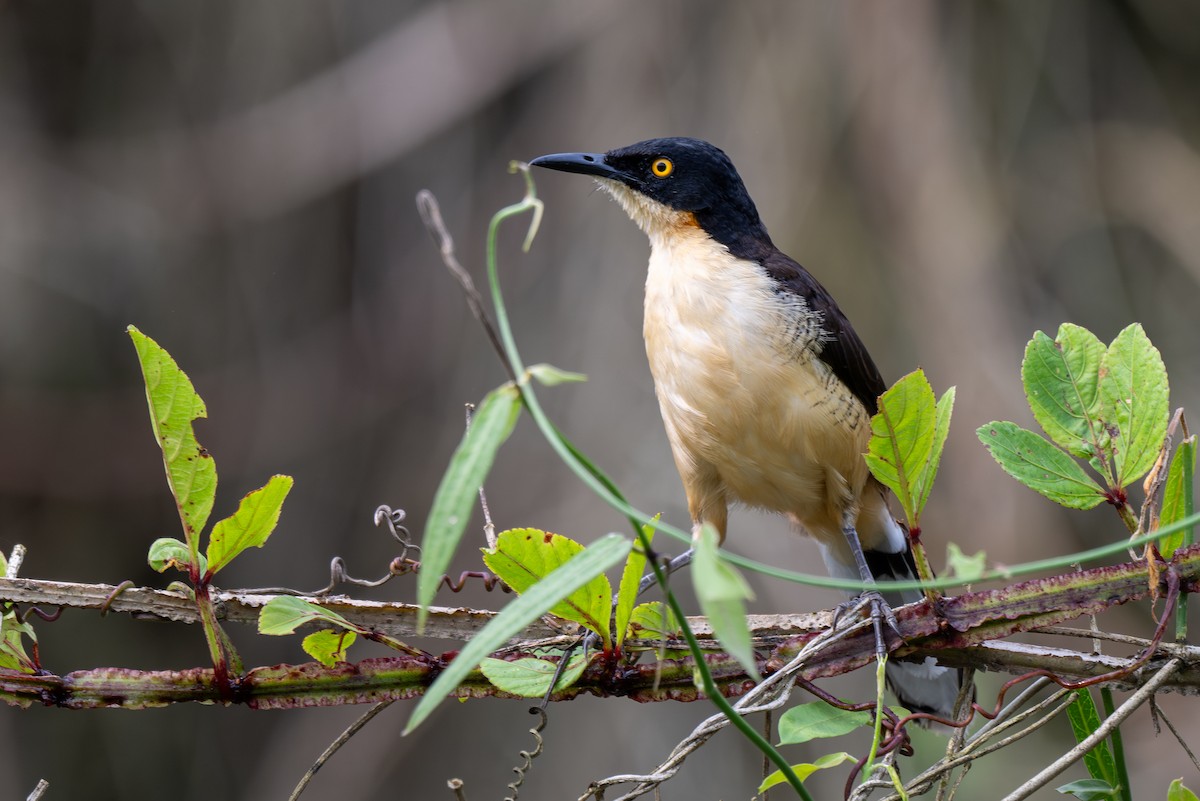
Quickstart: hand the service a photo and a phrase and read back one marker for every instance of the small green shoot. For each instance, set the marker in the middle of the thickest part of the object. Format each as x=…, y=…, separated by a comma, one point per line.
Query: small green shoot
x=1105, y=406
x=12, y=649
x=577, y=572
x=907, y=437
x=192, y=477
x=283, y=614
x=454, y=501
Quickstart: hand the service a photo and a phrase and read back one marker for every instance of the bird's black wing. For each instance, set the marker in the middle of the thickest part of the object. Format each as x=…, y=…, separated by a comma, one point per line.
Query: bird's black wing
x=842, y=350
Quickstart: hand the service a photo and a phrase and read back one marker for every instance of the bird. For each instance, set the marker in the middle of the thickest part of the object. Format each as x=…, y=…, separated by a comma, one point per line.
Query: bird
x=766, y=390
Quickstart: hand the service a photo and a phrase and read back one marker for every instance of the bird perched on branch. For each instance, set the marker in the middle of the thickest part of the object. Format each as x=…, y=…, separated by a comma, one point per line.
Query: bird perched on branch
x=765, y=389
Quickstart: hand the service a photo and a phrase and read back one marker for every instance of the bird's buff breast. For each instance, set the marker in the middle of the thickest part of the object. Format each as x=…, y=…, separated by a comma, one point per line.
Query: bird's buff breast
x=742, y=390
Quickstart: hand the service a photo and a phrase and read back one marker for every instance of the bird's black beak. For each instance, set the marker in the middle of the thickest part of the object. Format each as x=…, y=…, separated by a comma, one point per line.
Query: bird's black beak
x=583, y=163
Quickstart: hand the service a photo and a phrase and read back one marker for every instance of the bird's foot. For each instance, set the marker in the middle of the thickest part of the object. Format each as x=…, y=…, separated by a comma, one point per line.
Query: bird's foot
x=880, y=612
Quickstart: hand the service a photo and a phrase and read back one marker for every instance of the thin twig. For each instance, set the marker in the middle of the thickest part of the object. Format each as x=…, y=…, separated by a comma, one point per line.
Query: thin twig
x=431, y=215
x=39, y=790
x=341, y=740
x=1088, y=743
x=15, y=560
x=1160, y=715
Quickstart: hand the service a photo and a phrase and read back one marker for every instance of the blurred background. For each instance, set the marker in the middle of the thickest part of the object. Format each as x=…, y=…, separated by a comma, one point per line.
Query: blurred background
x=237, y=180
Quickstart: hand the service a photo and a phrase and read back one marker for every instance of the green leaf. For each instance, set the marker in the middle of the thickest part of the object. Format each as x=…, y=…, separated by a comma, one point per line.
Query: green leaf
x=1089, y=790
x=174, y=404
x=284, y=614
x=1062, y=384
x=818, y=719
x=722, y=592
x=166, y=552
x=452, y=504
x=902, y=439
x=1133, y=387
x=12, y=649
x=631, y=579
x=806, y=769
x=1085, y=719
x=961, y=566
x=1179, y=496
x=925, y=479
x=328, y=646
x=653, y=621
x=1040, y=466
x=550, y=376
x=524, y=556
x=250, y=525
x=1177, y=792
x=529, y=677
x=585, y=566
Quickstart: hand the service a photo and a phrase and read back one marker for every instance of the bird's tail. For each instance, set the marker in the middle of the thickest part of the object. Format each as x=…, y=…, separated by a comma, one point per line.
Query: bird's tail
x=920, y=686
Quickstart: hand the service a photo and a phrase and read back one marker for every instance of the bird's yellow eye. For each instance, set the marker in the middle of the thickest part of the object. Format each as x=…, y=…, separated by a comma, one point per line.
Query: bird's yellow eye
x=662, y=167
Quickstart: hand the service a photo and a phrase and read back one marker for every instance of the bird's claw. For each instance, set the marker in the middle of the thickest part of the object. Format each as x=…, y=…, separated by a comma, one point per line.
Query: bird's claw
x=880, y=612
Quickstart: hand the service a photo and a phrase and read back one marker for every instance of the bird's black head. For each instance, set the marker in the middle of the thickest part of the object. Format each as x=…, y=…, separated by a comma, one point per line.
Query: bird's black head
x=682, y=174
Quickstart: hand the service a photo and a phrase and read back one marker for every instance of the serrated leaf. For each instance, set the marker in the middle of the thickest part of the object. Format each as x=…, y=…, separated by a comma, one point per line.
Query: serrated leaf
x=550, y=376
x=627, y=590
x=653, y=621
x=284, y=614
x=723, y=592
x=1179, y=496
x=328, y=646
x=455, y=498
x=1062, y=384
x=591, y=562
x=167, y=552
x=902, y=436
x=1085, y=720
x=1177, y=792
x=963, y=567
x=925, y=479
x=524, y=556
x=530, y=677
x=174, y=404
x=1134, y=390
x=1039, y=465
x=1089, y=790
x=256, y=517
x=818, y=719
x=806, y=769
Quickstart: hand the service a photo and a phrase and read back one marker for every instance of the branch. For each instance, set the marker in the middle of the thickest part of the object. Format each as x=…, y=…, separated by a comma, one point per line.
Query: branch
x=961, y=632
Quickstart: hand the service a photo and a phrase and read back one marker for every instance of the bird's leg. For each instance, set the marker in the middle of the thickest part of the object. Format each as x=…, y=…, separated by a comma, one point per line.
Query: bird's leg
x=683, y=560
x=881, y=610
